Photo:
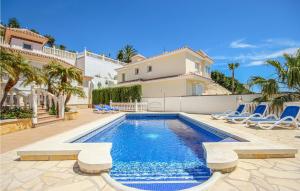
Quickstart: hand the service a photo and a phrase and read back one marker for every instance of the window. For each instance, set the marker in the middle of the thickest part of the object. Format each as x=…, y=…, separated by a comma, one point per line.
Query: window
x=123, y=77
x=149, y=69
x=197, y=89
x=197, y=67
x=207, y=68
x=136, y=71
x=27, y=46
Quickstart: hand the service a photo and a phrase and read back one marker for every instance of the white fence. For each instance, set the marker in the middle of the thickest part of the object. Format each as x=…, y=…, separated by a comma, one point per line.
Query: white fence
x=197, y=104
x=132, y=106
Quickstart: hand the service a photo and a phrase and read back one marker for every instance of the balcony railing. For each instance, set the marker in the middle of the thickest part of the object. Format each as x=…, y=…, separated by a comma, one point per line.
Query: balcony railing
x=62, y=54
x=59, y=53
x=102, y=57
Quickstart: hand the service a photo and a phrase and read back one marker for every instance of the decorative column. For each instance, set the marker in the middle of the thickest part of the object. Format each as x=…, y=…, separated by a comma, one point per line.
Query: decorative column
x=34, y=105
x=11, y=99
x=50, y=101
x=136, y=106
x=45, y=100
x=18, y=100
x=61, y=106
x=38, y=97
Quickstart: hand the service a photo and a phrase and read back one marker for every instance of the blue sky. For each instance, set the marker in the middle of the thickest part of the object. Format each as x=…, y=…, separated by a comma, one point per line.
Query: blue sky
x=248, y=31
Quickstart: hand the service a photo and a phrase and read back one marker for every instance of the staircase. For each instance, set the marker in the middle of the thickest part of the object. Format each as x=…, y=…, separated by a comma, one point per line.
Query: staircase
x=44, y=118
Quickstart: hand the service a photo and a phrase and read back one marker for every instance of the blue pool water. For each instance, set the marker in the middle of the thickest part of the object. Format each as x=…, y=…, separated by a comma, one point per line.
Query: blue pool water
x=157, y=152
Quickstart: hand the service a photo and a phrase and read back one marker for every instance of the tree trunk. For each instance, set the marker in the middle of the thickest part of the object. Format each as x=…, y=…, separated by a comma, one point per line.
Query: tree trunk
x=10, y=84
x=232, y=84
x=67, y=99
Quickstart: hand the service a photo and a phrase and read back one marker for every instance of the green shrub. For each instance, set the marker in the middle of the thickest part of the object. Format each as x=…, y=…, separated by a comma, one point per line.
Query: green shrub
x=116, y=94
x=52, y=110
x=15, y=113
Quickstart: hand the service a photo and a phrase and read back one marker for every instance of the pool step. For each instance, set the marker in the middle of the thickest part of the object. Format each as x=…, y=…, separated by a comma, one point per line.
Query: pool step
x=167, y=176
x=163, y=186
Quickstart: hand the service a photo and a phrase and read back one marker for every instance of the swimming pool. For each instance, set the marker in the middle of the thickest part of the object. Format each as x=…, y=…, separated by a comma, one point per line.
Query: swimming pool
x=157, y=151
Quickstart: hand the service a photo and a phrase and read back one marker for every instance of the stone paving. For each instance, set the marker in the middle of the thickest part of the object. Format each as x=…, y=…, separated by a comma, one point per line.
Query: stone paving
x=251, y=174
x=25, y=137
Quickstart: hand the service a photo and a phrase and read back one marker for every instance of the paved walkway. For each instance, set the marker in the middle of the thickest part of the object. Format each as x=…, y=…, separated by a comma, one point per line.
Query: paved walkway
x=251, y=174
x=28, y=136
x=263, y=174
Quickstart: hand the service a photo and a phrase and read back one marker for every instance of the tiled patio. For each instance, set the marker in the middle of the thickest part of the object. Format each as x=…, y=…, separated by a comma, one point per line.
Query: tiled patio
x=251, y=174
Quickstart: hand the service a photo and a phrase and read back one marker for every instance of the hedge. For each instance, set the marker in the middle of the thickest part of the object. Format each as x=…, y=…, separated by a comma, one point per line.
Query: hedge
x=116, y=94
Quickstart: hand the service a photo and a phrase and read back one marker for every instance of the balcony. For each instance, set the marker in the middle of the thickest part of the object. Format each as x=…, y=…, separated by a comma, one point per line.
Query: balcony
x=67, y=56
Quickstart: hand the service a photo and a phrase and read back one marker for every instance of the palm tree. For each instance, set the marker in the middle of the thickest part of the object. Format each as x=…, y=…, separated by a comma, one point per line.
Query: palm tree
x=62, y=47
x=126, y=53
x=232, y=67
x=287, y=77
x=51, y=40
x=13, y=23
x=269, y=87
x=288, y=73
x=15, y=67
x=63, y=77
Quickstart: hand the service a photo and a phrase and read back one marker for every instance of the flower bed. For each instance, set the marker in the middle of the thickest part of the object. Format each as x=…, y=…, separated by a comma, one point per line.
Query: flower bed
x=13, y=125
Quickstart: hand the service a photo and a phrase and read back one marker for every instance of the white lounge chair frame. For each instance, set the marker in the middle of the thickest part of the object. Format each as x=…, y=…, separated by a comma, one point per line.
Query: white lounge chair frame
x=251, y=116
x=230, y=112
x=276, y=122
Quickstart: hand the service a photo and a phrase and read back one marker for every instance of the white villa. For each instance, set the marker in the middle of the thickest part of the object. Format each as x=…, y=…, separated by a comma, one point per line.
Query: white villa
x=100, y=67
x=182, y=72
x=98, y=70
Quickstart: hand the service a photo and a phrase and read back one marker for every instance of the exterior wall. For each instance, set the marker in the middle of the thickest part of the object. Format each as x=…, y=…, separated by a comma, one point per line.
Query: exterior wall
x=37, y=64
x=192, y=60
x=198, y=104
x=19, y=42
x=80, y=63
x=102, y=71
x=208, y=88
x=164, y=88
x=162, y=67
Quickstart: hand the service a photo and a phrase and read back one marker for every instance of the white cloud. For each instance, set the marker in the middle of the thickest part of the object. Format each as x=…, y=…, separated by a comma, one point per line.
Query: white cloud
x=256, y=59
x=275, y=54
x=255, y=63
x=241, y=44
x=282, y=42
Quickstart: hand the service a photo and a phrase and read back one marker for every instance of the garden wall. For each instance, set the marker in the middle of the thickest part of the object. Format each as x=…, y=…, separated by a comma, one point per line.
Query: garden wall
x=198, y=104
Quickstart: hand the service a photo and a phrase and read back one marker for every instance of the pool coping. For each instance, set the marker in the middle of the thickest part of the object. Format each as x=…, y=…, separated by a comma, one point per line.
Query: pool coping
x=96, y=158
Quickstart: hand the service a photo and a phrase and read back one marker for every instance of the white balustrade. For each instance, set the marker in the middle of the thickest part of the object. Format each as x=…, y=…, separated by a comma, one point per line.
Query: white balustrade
x=60, y=53
x=34, y=104
x=130, y=106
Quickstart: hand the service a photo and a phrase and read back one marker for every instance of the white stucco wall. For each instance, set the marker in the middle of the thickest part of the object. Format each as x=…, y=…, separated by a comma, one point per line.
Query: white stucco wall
x=162, y=67
x=101, y=70
x=191, y=60
x=169, y=65
x=19, y=42
x=197, y=104
x=166, y=87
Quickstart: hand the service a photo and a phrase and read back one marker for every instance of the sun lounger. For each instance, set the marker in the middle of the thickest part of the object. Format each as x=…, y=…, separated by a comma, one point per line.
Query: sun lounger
x=289, y=117
x=259, y=112
x=239, y=111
